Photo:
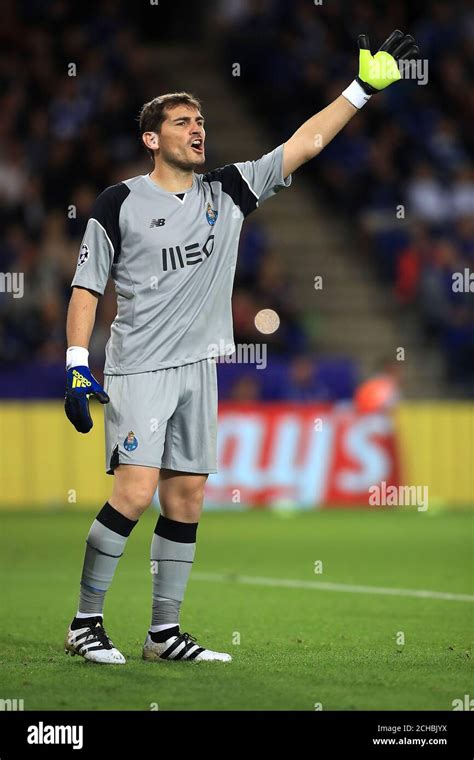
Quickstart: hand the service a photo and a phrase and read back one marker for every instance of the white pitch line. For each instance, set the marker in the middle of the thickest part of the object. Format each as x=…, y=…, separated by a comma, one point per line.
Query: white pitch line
x=324, y=586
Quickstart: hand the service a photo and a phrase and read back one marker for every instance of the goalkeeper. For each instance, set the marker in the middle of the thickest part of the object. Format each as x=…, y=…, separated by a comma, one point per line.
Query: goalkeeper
x=169, y=241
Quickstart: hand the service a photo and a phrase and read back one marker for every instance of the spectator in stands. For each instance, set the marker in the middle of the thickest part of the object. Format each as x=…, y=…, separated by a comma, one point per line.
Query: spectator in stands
x=436, y=287
x=246, y=388
x=410, y=264
x=462, y=193
x=458, y=345
x=427, y=199
x=304, y=382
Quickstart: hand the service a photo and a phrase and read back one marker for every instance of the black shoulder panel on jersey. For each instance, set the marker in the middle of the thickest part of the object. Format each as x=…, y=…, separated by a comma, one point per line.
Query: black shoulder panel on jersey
x=234, y=185
x=106, y=211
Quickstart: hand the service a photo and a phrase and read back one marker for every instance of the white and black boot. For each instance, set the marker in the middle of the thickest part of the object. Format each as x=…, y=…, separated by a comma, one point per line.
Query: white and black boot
x=87, y=638
x=171, y=645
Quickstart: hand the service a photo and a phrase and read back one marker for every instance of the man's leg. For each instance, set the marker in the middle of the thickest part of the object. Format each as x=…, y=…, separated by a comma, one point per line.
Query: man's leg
x=173, y=549
x=174, y=544
x=190, y=451
x=133, y=491
x=134, y=488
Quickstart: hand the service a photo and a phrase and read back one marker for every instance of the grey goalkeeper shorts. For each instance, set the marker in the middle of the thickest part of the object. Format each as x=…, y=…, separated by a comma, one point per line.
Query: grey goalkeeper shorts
x=166, y=418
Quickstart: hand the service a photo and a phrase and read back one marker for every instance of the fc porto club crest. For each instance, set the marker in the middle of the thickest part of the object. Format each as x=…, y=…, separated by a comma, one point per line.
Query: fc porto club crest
x=211, y=215
x=131, y=442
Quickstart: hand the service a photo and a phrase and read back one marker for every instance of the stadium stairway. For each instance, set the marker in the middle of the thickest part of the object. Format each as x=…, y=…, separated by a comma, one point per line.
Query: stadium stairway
x=351, y=314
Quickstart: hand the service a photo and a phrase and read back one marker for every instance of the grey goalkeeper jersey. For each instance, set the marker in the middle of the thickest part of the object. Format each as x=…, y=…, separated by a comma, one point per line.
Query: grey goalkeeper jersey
x=172, y=258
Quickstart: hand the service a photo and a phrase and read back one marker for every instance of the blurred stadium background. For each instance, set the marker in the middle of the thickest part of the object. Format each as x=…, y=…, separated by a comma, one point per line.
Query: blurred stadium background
x=385, y=216
x=385, y=294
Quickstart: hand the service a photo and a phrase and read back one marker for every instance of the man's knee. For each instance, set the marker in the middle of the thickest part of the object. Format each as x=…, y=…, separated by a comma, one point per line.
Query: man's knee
x=137, y=498
x=132, y=495
x=183, y=503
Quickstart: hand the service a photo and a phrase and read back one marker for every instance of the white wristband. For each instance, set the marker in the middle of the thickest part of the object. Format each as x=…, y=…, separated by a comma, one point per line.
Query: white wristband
x=356, y=95
x=77, y=356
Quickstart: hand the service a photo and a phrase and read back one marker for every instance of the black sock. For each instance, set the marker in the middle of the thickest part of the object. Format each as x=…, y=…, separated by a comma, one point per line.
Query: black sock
x=159, y=637
x=84, y=622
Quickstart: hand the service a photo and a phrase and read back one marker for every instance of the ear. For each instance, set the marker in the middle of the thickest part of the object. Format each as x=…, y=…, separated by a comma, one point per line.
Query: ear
x=151, y=140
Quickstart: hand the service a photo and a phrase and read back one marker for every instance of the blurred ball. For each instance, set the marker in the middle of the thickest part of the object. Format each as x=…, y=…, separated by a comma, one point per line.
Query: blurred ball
x=376, y=395
x=267, y=321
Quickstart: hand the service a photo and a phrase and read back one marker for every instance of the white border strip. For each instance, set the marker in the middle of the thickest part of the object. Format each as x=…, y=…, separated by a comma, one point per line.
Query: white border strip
x=93, y=219
x=248, y=183
x=322, y=586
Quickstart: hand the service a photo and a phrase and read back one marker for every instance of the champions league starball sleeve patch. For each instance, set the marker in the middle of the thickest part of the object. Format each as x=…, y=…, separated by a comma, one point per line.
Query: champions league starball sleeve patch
x=84, y=254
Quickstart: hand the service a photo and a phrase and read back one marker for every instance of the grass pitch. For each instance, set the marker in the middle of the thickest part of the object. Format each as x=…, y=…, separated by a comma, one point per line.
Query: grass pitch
x=293, y=646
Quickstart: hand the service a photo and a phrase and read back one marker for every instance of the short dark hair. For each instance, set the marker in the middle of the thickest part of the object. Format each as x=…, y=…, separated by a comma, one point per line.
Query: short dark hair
x=153, y=113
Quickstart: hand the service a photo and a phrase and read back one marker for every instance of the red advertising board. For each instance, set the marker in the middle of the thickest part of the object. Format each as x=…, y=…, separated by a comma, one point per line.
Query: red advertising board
x=301, y=455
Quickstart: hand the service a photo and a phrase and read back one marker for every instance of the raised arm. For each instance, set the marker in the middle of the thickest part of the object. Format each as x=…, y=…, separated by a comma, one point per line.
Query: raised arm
x=375, y=73
x=316, y=133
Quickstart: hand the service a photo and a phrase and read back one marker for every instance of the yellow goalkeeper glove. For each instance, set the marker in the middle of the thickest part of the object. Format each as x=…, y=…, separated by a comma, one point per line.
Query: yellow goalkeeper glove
x=376, y=72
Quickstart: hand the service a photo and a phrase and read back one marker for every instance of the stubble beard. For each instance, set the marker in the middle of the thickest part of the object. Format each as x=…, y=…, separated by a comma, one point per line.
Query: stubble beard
x=183, y=164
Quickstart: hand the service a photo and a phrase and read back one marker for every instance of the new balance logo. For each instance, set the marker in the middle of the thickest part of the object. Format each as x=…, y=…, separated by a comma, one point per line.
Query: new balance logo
x=173, y=258
x=79, y=381
x=157, y=222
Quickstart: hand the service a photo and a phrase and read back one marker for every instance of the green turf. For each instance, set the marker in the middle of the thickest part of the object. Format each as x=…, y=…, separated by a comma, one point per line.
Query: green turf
x=297, y=647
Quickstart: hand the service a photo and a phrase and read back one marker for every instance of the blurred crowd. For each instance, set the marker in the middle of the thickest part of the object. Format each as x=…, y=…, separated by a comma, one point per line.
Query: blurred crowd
x=72, y=84
x=71, y=89
x=401, y=171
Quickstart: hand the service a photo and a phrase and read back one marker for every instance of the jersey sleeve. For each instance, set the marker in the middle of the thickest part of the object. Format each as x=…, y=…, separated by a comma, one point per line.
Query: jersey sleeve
x=251, y=182
x=262, y=178
x=100, y=246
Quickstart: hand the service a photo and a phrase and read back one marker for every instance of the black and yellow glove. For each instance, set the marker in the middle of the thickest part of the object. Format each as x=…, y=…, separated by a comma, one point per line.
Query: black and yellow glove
x=381, y=70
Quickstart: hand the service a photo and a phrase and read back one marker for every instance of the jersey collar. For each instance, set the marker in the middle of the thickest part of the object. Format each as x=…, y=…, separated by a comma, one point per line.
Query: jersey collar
x=170, y=193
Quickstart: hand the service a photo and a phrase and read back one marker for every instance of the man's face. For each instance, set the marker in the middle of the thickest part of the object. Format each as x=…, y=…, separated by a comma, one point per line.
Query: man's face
x=181, y=137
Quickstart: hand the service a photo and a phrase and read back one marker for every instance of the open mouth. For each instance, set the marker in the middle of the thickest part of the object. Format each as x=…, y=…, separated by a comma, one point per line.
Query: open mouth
x=198, y=145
